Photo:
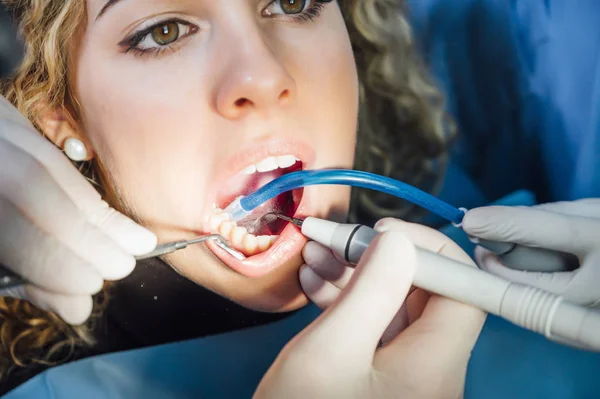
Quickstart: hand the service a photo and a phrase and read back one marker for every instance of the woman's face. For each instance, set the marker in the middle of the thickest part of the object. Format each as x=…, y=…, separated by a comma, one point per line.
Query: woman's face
x=190, y=103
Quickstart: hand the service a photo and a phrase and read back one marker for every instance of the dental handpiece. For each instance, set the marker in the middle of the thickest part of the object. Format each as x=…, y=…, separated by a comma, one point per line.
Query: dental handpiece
x=528, y=307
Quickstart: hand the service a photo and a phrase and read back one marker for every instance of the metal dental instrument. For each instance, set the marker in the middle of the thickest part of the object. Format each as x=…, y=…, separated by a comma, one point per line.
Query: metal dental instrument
x=9, y=279
x=295, y=221
x=528, y=307
x=171, y=247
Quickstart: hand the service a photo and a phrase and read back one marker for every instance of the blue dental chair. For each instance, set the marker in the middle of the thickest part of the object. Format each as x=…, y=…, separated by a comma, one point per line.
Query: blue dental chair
x=522, y=78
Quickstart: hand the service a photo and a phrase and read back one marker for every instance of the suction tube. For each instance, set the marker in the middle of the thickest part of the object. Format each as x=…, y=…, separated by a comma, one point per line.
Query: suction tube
x=242, y=206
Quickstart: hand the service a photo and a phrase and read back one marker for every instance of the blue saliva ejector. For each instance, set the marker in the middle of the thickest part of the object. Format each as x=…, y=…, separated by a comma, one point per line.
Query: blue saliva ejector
x=243, y=206
x=513, y=255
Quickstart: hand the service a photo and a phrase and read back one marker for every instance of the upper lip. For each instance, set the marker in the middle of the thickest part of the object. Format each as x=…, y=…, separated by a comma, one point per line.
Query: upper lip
x=256, y=152
x=259, y=151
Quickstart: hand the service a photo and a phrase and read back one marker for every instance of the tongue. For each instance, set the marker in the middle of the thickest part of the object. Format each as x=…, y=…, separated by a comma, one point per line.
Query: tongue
x=261, y=222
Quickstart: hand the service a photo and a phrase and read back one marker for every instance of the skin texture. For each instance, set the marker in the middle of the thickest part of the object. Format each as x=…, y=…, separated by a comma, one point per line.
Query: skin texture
x=163, y=125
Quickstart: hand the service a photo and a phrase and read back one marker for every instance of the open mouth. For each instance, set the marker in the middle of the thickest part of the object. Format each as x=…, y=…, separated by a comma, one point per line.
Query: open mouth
x=266, y=242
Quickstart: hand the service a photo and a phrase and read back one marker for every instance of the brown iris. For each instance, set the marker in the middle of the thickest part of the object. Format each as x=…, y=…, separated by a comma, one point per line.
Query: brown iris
x=166, y=34
x=292, y=6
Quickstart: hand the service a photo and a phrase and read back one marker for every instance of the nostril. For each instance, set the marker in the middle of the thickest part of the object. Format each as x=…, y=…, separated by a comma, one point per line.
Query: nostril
x=242, y=102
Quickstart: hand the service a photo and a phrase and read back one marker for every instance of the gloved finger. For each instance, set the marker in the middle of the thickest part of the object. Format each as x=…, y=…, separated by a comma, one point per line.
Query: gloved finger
x=11, y=116
x=323, y=293
x=555, y=282
x=326, y=265
x=398, y=324
x=444, y=313
x=426, y=238
x=533, y=227
x=41, y=259
x=451, y=328
x=458, y=322
x=52, y=211
x=434, y=343
x=587, y=207
x=351, y=328
x=73, y=309
x=583, y=289
x=133, y=238
x=415, y=304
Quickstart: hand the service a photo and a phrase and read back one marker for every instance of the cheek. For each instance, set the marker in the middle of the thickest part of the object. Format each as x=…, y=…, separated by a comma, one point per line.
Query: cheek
x=326, y=75
x=151, y=130
x=337, y=100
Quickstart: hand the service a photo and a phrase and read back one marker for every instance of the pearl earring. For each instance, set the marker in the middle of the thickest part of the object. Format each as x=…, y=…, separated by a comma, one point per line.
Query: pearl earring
x=75, y=149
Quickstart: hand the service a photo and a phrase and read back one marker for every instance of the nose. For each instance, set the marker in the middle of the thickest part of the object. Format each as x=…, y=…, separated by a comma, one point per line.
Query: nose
x=254, y=81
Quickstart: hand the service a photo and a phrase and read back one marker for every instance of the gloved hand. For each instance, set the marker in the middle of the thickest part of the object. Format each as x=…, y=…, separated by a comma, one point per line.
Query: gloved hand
x=337, y=356
x=570, y=227
x=55, y=230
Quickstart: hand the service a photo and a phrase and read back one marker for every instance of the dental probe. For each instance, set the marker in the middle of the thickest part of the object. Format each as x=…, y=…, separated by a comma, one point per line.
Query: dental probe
x=9, y=279
x=171, y=247
x=525, y=306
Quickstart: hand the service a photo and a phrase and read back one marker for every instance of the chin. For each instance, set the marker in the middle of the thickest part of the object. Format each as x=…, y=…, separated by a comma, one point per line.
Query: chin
x=277, y=291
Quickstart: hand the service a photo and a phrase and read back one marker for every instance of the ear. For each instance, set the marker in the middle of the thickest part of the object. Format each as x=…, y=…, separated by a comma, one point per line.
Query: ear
x=58, y=127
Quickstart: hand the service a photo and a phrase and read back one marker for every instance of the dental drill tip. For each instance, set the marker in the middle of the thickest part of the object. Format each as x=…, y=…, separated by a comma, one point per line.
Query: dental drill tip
x=296, y=221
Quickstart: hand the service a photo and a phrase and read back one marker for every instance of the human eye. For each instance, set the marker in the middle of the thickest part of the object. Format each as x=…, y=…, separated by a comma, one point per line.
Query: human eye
x=161, y=36
x=300, y=10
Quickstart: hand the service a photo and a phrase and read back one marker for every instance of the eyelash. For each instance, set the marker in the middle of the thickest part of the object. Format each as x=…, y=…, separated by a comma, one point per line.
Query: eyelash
x=131, y=43
x=310, y=14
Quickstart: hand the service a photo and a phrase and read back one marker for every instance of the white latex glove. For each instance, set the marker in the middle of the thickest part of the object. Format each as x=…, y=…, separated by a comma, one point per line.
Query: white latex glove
x=55, y=230
x=337, y=356
x=571, y=227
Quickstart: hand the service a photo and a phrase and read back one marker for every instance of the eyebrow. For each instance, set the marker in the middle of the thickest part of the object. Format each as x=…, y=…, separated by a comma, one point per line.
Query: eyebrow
x=106, y=7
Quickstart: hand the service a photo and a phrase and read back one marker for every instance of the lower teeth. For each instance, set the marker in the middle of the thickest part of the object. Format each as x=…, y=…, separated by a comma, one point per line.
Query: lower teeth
x=240, y=239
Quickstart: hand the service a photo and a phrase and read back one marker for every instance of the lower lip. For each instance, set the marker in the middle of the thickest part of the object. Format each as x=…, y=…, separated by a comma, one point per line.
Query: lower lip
x=287, y=246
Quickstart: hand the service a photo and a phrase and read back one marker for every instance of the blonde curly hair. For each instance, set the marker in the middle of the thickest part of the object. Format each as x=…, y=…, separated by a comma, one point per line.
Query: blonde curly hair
x=402, y=133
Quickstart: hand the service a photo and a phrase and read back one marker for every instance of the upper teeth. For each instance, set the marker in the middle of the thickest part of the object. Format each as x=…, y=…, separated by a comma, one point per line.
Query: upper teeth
x=271, y=163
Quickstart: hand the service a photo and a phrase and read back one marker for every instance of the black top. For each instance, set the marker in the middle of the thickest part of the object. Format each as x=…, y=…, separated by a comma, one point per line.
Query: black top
x=156, y=305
